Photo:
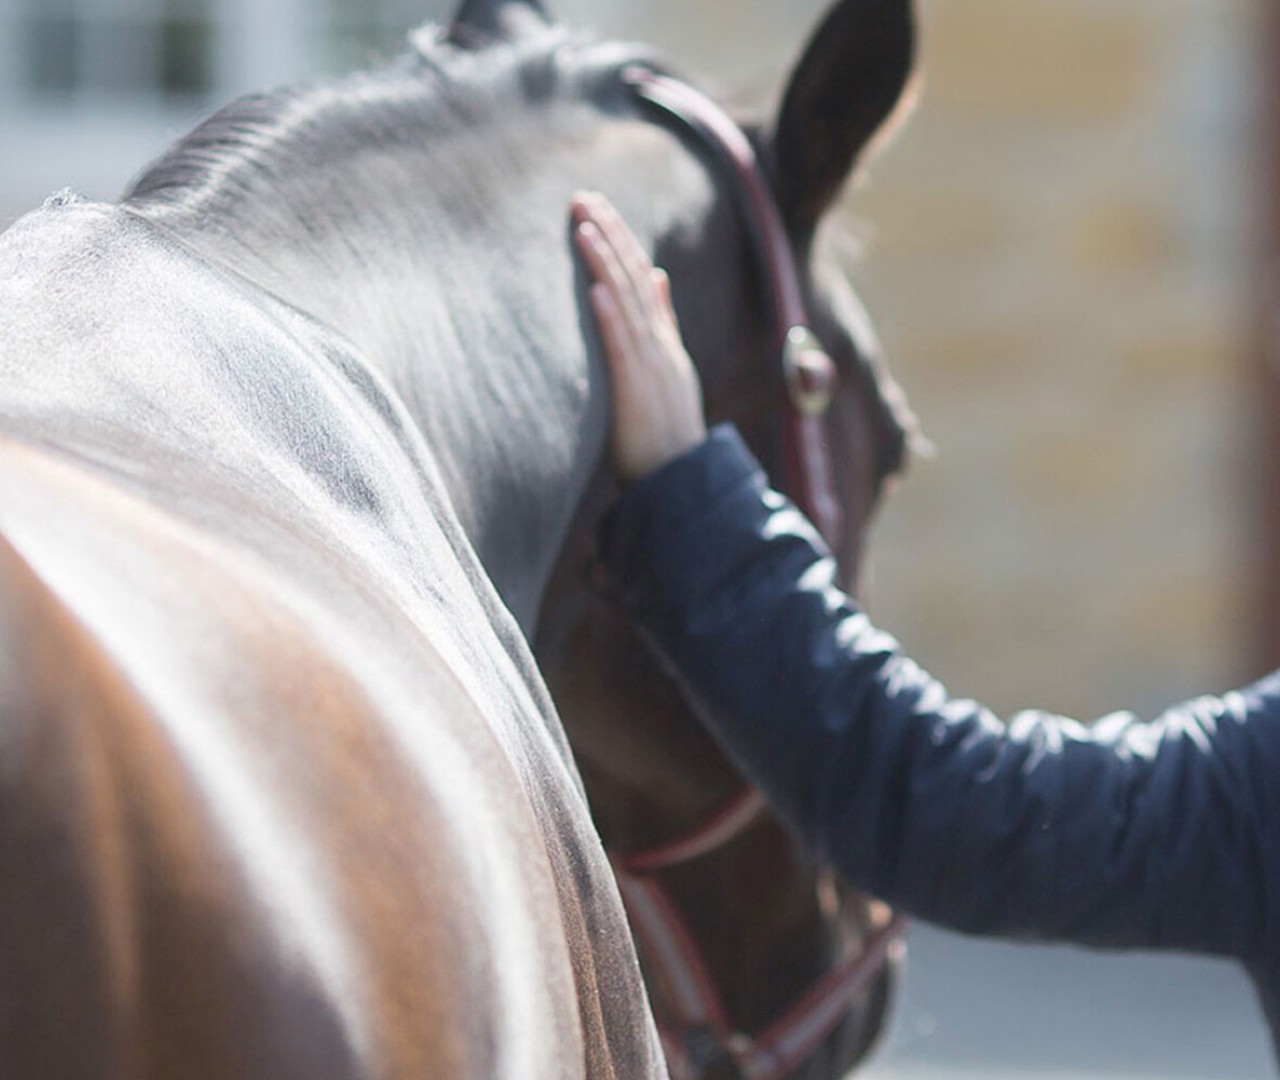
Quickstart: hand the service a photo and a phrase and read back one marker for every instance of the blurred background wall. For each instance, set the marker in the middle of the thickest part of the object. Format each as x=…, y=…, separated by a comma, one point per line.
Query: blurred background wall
x=1062, y=253
x=1066, y=244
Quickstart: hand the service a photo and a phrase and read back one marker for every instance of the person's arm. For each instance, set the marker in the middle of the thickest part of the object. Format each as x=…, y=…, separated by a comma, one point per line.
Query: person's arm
x=1159, y=834
x=1121, y=834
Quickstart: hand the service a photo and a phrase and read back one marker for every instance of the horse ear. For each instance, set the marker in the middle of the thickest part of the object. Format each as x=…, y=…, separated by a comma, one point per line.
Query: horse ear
x=851, y=78
x=497, y=20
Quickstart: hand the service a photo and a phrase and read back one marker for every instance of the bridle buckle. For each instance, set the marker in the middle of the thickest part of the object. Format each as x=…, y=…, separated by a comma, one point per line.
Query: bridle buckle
x=809, y=371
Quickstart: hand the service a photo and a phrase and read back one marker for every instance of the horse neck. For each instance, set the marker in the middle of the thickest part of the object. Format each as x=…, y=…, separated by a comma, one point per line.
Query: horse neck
x=447, y=264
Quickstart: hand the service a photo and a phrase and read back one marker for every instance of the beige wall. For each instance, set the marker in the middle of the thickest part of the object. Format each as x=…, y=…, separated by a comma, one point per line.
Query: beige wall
x=1059, y=266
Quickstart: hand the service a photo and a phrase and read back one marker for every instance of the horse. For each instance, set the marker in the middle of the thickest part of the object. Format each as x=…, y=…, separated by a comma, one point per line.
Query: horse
x=303, y=446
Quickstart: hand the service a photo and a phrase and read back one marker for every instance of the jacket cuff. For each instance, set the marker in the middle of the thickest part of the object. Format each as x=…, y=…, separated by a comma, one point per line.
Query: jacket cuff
x=655, y=510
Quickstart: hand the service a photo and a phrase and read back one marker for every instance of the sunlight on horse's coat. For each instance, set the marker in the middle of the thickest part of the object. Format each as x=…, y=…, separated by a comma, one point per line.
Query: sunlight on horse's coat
x=302, y=443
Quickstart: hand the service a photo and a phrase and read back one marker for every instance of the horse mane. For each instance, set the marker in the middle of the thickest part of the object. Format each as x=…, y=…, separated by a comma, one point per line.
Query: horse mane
x=436, y=87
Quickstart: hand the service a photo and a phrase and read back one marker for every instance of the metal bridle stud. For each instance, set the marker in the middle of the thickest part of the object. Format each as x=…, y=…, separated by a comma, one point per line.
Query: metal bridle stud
x=809, y=371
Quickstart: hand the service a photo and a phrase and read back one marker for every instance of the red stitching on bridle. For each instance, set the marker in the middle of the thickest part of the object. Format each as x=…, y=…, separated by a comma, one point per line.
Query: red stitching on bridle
x=702, y=1033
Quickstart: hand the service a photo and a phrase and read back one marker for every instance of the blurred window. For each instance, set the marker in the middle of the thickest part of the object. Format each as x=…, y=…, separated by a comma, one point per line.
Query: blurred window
x=86, y=50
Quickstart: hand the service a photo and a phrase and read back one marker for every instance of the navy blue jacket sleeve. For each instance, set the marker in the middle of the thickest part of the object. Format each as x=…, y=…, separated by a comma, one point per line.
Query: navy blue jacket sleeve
x=1119, y=834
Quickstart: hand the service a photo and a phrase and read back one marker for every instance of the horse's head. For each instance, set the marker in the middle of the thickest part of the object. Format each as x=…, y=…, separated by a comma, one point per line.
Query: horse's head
x=769, y=923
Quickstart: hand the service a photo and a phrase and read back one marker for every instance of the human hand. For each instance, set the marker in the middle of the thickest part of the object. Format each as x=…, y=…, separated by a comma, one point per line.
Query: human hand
x=657, y=398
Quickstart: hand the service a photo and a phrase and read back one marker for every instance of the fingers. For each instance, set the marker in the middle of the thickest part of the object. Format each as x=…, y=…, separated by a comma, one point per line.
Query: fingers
x=640, y=313
x=633, y=259
x=666, y=314
x=616, y=257
x=601, y=258
x=619, y=343
x=610, y=298
x=657, y=400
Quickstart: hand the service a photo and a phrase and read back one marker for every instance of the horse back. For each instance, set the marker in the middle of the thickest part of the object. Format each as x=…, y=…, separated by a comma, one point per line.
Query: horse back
x=278, y=797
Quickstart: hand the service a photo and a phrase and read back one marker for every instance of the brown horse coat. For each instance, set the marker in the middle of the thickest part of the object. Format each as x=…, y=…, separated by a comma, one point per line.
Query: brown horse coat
x=279, y=795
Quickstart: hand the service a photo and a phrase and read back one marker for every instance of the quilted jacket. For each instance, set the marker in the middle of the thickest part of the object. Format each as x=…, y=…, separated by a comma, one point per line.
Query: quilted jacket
x=1161, y=834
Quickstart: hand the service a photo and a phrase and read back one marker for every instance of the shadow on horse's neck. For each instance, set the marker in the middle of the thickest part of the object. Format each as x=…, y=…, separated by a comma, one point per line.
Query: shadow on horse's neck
x=434, y=237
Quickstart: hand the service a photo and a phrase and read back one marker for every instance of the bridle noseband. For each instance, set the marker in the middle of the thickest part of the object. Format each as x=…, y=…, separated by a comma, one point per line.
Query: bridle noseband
x=700, y=1039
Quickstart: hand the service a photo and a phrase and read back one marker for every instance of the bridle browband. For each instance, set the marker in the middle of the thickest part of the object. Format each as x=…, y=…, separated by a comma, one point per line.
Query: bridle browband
x=701, y=1035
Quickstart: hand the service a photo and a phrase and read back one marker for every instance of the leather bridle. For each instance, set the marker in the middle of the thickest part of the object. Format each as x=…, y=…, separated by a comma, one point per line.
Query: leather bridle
x=809, y=372
x=700, y=1035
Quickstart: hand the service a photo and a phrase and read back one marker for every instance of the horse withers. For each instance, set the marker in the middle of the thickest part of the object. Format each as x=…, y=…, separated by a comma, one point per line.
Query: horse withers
x=301, y=444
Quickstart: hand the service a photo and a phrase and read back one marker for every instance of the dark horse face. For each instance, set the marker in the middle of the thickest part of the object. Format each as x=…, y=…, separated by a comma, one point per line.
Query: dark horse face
x=768, y=920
